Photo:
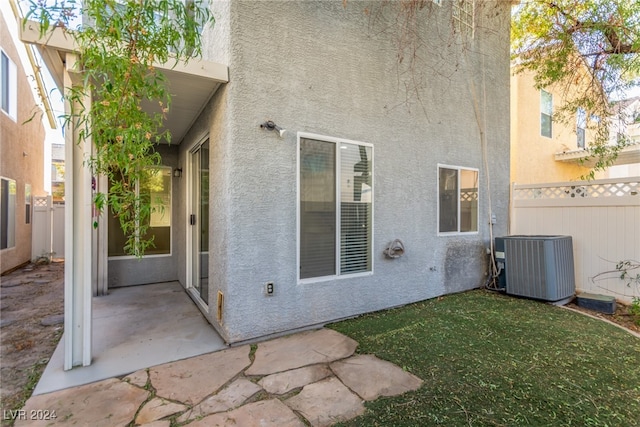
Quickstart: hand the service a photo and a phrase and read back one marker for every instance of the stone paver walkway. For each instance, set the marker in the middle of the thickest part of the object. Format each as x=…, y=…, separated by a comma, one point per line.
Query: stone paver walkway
x=307, y=378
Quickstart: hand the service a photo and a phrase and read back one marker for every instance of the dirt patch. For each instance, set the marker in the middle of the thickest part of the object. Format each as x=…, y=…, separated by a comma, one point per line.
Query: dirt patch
x=31, y=324
x=622, y=316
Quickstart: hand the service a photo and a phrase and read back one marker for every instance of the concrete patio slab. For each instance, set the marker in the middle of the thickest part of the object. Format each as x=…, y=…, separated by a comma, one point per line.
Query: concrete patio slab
x=326, y=402
x=284, y=382
x=108, y=403
x=228, y=398
x=131, y=331
x=265, y=413
x=371, y=377
x=156, y=409
x=189, y=381
x=303, y=349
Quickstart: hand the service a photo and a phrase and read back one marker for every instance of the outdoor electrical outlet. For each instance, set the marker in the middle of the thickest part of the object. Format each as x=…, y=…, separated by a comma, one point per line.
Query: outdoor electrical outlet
x=269, y=288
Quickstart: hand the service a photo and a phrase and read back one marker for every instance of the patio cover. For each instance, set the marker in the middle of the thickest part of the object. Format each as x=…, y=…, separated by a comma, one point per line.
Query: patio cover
x=192, y=84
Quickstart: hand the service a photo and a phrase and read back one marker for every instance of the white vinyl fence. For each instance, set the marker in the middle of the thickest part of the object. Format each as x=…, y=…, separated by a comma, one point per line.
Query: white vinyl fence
x=603, y=218
x=47, y=230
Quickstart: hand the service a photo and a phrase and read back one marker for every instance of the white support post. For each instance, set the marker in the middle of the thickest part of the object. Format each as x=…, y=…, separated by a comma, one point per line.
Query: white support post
x=77, y=322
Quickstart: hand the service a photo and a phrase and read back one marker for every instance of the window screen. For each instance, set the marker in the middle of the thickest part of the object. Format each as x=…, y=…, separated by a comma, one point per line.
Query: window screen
x=457, y=200
x=336, y=195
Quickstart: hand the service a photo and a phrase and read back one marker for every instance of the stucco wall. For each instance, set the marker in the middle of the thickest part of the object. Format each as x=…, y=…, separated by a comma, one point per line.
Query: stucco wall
x=323, y=68
x=532, y=155
x=21, y=153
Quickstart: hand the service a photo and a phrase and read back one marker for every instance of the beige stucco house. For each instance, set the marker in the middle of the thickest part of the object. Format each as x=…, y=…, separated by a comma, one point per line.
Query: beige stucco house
x=544, y=150
x=536, y=138
x=21, y=153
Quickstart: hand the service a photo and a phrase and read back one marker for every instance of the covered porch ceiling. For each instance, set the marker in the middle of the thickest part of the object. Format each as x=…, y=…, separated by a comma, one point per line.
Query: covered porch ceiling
x=191, y=84
x=628, y=155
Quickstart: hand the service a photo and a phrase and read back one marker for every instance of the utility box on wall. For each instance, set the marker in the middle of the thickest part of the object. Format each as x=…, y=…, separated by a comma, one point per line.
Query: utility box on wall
x=539, y=267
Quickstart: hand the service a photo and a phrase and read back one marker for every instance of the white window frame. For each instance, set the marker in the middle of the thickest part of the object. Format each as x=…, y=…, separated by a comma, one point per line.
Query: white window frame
x=581, y=128
x=10, y=81
x=337, y=276
x=550, y=114
x=11, y=212
x=458, y=232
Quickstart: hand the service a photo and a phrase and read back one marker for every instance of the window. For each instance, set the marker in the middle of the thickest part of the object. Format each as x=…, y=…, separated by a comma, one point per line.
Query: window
x=581, y=125
x=156, y=188
x=463, y=17
x=27, y=203
x=7, y=213
x=546, y=112
x=335, y=189
x=8, y=86
x=457, y=200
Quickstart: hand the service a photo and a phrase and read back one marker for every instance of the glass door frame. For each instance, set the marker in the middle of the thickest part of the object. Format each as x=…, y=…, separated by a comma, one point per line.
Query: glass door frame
x=193, y=254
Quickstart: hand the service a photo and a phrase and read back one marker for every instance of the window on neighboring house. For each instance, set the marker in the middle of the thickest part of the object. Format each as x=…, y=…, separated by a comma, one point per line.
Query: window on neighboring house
x=7, y=213
x=457, y=200
x=335, y=189
x=546, y=113
x=581, y=125
x=463, y=17
x=156, y=187
x=8, y=86
x=27, y=203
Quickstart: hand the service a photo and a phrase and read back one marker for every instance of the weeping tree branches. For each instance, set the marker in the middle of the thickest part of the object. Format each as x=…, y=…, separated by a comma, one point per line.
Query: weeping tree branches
x=119, y=41
x=588, y=48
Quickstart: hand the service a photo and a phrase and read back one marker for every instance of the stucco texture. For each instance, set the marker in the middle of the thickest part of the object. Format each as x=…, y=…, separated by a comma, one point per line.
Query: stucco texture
x=325, y=68
x=21, y=154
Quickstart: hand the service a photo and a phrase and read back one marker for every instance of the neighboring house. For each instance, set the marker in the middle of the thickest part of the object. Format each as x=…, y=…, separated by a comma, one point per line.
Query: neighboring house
x=21, y=153
x=57, y=172
x=536, y=138
x=626, y=124
x=544, y=150
x=271, y=233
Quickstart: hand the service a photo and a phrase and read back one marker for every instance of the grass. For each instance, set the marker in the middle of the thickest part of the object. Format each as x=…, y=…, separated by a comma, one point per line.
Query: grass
x=489, y=359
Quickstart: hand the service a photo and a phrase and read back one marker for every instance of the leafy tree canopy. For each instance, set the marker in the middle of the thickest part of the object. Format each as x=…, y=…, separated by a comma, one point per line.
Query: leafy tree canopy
x=120, y=42
x=590, y=48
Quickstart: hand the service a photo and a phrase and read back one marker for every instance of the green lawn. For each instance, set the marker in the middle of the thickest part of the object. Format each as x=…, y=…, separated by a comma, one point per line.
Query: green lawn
x=489, y=359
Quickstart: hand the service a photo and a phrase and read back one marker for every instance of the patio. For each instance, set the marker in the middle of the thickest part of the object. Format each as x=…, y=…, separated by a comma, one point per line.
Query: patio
x=134, y=328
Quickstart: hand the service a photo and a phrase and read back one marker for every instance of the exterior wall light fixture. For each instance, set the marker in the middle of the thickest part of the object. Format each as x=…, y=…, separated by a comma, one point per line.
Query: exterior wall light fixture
x=269, y=125
x=177, y=172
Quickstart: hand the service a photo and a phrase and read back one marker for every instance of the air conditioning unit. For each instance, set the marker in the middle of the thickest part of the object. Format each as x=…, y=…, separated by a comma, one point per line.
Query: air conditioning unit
x=539, y=267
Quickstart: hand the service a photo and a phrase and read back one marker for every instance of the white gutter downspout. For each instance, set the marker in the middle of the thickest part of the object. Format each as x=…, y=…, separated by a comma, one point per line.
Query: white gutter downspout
x=78, y=244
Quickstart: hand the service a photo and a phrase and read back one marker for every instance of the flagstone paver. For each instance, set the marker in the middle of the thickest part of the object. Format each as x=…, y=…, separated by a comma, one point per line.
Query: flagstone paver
x=265, y=413
x=326, y=402
x=228, y=398
x=157, y=409
x=108, y=403
x=191, y=380
x=284, y=382
x=138, y=378
x=159, y=423
x=334, y=384
x=371, y=377
x=303, y=349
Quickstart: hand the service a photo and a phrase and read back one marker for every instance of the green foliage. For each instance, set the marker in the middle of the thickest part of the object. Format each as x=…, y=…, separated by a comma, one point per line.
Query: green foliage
x=589, y=49
x=634, y=310
x=120, y=42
